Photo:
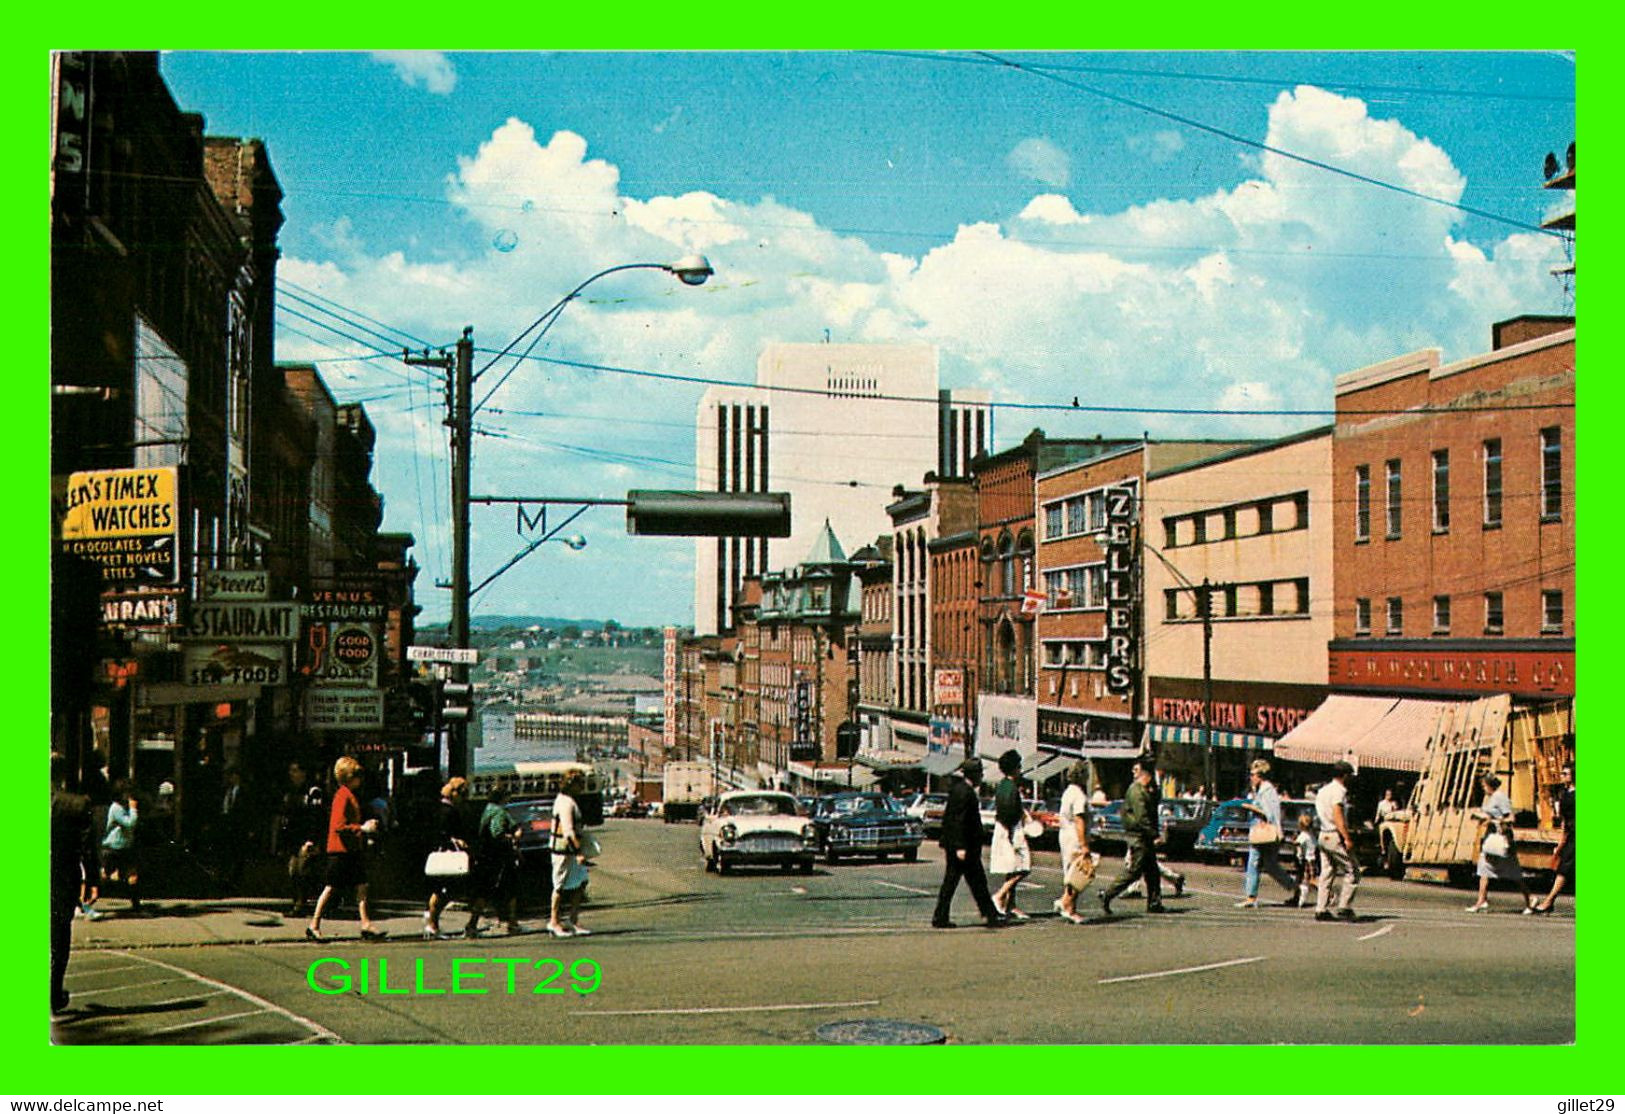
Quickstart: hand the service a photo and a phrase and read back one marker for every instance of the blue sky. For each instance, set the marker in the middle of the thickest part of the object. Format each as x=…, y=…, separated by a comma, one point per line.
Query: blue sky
x=1052, y=241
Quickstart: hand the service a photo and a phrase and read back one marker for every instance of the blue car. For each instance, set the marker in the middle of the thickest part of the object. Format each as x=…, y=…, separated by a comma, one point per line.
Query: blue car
x=1225, y=834
x=866, y=824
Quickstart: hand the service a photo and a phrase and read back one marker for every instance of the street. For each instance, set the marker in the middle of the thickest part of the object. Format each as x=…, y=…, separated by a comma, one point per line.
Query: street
x=761, y=957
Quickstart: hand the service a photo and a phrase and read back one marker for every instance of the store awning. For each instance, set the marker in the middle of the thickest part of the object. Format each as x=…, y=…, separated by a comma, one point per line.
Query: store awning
x=940, y=763
x=1196, y=736
x=1376, y=731
x=1047, y=766
x=892, y=758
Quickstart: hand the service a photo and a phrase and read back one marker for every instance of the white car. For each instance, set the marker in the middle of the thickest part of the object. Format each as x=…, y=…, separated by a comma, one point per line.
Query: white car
x=757, y=828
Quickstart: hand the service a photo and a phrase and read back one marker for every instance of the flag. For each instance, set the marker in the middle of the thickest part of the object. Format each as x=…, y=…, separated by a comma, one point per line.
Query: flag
x=1032, y=601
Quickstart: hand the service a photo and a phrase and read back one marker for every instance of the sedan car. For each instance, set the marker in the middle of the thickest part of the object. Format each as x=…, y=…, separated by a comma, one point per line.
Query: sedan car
x=927, y=808
x=757, y=828
x=1225, y=834
x=535, y=822
x=866, y=824
x=1182, y=820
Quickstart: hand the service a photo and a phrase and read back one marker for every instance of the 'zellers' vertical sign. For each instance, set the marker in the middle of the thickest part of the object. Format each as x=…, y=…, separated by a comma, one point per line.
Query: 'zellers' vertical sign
x=1121, y=571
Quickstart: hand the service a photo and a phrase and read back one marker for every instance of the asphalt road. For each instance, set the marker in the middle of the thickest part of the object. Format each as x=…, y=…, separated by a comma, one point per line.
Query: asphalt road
x=765, y=957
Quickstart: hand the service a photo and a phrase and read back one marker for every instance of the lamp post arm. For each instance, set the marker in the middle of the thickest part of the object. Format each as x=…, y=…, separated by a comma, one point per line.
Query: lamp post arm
x=528, y=550
x=545, y=321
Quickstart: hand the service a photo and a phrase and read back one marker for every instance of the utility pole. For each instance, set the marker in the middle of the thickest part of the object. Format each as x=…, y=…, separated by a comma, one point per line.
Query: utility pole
x=462, y=457
x=1206, y=607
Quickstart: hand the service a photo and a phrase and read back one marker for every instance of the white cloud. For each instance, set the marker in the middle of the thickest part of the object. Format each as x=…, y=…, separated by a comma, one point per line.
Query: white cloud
x=1041, y=160
x=428, y=68
x=1251, y=297
x=1157, y=147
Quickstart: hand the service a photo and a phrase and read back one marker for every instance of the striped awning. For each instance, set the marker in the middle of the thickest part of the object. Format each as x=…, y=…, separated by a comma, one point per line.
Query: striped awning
x=1385, y=732
x=1197, y=736
x=893, y=758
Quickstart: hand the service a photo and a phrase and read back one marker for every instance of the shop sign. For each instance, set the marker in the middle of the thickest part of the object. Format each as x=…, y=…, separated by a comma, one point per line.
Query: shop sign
x=228, y=585
x=353, y=601
x=1521, y=671
x=1122, y=571
x=1007, y=723
x=126, y=520
x=141, y=609
x=213, y=665
x=805, y=748
x=344, y=708
x=668, y=677
x=949, y=686
x=342, y=653
x=1071, y=733
x=247, y=622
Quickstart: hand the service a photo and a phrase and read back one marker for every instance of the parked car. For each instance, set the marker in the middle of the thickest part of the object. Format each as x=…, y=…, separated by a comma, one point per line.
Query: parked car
x=757, y=828
x=1225, y=834
x=535, y=821
x=865, y=824
x=1182, y=820
x=1106, y=823
x=927, y=809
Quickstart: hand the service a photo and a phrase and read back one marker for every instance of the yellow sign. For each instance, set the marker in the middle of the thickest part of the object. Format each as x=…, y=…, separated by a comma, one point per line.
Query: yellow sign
x=126, y=520
x=121, y=503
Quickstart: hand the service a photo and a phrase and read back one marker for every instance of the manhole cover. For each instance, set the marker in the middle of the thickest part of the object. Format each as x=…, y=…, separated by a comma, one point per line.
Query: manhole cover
x=880, y=1032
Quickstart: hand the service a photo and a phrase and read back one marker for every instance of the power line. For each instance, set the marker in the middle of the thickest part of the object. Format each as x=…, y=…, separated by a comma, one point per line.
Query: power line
x=1059, y=407
x=1232, y=79
x=1281, y=151
x=348, y=321
x=353, y=312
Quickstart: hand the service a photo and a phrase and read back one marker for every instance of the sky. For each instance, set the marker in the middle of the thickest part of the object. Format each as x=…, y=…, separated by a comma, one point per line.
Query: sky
x=1159, y=230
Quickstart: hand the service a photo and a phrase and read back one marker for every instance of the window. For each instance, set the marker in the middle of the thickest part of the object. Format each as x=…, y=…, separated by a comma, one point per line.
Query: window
x=1362, y=618
x=1441, y=491
x=1170, y=533
x=1199, y=525
x=1551, y=611
x=1301, y=502
x=1393, y=495
x=1170, y=601
x=1266, y=598
x=1097, y=510
x=1441, y=614
x=1302, y=585
x=1551, y=474
x=1229, y=523
x=1362, y=502
x=1266, y=518
x=1492, y=482
x=1396, y=617
x=1492, y=613
x=1230, y=601
x=1052, y=520
x=1074, y=516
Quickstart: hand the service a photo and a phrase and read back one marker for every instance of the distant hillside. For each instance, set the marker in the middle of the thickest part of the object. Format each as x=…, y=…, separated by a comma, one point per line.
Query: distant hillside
x=521, y=622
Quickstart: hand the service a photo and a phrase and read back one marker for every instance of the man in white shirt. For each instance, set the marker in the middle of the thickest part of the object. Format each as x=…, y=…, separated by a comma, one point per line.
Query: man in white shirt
x=1336, y=847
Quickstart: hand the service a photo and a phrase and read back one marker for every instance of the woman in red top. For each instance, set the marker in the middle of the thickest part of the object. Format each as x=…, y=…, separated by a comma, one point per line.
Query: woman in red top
x=345, y=865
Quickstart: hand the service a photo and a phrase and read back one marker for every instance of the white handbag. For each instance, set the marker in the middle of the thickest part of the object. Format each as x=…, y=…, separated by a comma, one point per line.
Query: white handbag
x=1496, y=846
x=446, y=864
x=1033, y=829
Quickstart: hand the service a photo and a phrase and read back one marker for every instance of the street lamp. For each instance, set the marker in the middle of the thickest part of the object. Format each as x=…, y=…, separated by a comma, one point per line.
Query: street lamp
x=691, y=270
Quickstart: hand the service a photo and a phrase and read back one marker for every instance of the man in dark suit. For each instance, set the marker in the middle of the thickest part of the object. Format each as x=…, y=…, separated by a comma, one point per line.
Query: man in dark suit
x=962, y=838
x=1140, y=829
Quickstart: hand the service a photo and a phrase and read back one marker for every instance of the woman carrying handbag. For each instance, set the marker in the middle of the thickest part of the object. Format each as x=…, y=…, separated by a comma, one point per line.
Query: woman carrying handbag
x=448, y=863
x=1264, y=839
x=1010, y=856
x=1497, y=857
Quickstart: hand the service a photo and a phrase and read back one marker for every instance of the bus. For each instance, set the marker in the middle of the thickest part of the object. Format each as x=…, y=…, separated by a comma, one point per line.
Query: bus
x=529, y=781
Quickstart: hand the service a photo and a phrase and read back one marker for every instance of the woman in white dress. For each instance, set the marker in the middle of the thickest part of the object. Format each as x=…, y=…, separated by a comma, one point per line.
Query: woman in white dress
x=1496, y=816
x=1077, y=864
x=1010, y=856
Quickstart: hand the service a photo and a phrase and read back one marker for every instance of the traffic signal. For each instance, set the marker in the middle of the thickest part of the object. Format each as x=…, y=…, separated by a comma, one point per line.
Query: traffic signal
x=708, y=514
x=456, y=701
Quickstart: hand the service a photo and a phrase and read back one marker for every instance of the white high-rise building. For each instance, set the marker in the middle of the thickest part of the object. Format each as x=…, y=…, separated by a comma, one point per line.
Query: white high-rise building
x=837, y=426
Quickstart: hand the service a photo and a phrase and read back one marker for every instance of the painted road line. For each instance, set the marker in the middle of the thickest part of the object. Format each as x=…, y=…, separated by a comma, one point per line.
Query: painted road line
x=727, y=1009
x=896, y=886
x=1183, y=970
x=204, y=1021
x=315, y=1027
x=130, y=986
x=103, y=970
x=1383, y=931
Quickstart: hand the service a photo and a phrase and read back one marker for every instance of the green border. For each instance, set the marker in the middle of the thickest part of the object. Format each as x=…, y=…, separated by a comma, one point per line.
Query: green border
x=35, y=1066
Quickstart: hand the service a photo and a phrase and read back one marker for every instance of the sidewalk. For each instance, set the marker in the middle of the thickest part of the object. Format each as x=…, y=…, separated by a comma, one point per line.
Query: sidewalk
x=183, y=922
